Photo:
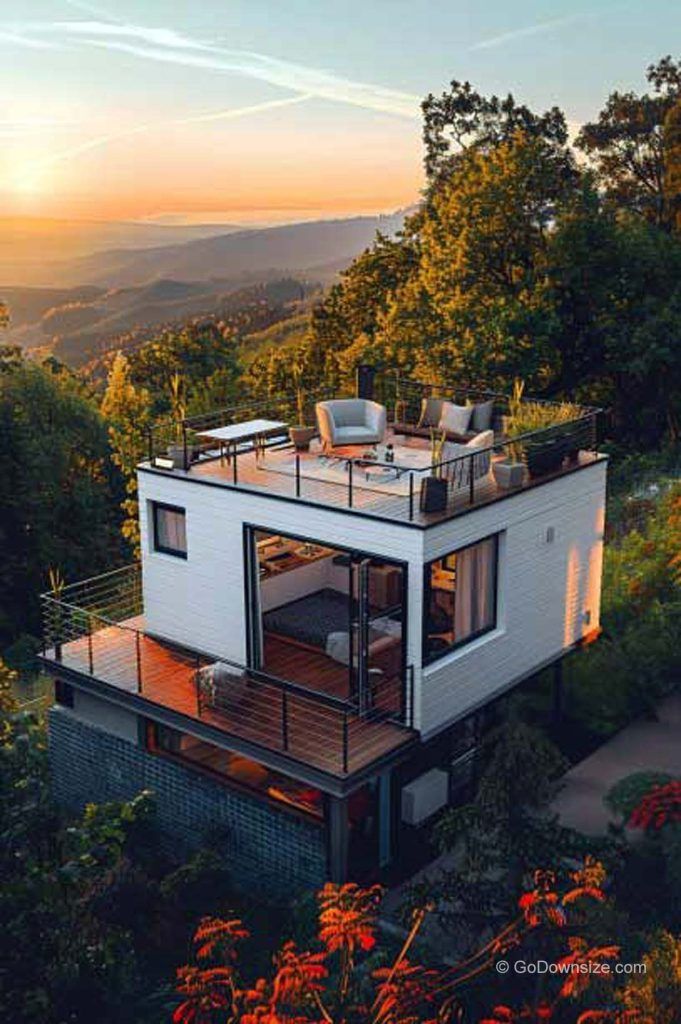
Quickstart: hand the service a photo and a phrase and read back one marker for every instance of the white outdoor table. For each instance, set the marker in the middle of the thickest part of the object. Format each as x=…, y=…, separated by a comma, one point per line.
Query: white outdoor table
x=250, y=430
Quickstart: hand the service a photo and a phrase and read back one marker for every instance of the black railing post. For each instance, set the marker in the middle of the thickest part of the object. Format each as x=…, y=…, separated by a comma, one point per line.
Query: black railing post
x=284, y=720
x=185, y=457
x=138, y=658
x=90, y=651
x=297, y=475
x=349, y=483
x=235, y=474
x=197, y=685
x=471, y=482
x=345, y=743
x=411, y=497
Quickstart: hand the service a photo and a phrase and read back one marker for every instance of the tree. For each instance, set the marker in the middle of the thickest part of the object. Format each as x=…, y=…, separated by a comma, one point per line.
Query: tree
x=655, y=996
x=483, y=259
x=60, y=492
x=127, y=408
x=627, y=145
x=462, y=119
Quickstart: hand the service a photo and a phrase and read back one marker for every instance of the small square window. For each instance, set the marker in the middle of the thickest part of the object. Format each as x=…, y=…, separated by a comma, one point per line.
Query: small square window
x=170, y=529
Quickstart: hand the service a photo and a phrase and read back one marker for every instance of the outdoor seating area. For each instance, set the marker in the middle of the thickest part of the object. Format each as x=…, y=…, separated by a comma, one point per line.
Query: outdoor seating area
x=403, y=451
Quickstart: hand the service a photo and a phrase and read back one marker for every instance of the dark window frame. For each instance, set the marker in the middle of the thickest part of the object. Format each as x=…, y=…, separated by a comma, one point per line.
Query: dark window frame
x=163, y=506
x=431, y=659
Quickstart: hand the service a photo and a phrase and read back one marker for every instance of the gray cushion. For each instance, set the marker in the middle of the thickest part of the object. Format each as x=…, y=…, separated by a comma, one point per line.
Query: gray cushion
x=482, y=416
x=431, y=410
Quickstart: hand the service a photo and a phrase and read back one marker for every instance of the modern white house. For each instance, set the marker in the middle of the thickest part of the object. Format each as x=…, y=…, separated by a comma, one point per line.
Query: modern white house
x=304, y=660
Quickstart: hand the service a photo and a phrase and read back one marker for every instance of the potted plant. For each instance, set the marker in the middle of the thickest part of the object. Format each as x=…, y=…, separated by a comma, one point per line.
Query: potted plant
x=509, y=472
x=434, y=487
x=178, y=408
x=551, y=427
x=300, y=433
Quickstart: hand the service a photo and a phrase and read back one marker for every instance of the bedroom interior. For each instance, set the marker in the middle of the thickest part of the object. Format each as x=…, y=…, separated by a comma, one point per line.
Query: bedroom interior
x=311, y=604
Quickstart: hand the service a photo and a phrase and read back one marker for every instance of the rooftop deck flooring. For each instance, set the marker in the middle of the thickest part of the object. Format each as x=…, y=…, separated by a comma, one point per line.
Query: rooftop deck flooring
x=253, y=475
x=314, y=735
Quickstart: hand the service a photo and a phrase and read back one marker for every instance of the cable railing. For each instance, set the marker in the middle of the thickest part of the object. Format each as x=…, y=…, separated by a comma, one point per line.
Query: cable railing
x=368, y=482
x=307, y=725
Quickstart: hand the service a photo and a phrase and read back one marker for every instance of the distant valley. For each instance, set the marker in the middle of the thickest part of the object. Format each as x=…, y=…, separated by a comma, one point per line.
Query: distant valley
x=106, y=294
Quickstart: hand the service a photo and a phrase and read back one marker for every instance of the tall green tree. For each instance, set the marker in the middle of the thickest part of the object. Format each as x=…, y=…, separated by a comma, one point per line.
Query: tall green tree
x=127, y=410
x=627, y=147
x=60, y=491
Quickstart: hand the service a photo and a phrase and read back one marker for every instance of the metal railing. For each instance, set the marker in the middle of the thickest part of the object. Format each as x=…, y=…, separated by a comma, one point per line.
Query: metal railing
x=545, y=452
x=308, y=725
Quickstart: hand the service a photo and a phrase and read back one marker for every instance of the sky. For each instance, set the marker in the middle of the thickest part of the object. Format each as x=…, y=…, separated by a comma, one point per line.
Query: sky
x=266, y=111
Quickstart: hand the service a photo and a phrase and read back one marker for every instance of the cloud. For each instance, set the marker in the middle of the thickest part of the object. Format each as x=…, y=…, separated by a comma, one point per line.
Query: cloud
x=537, y=29
x=38, y=167
x=166, y=45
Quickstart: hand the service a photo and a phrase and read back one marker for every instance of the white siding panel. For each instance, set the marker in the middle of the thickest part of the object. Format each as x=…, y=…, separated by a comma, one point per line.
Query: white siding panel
x=200, y=602
x=545, y=589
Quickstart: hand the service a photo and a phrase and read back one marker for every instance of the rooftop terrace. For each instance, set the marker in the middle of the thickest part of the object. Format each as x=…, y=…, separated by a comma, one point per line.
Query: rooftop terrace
x=359, y=479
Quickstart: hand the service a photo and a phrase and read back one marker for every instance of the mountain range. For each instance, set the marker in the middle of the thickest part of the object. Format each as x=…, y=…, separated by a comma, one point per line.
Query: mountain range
x=97, y=295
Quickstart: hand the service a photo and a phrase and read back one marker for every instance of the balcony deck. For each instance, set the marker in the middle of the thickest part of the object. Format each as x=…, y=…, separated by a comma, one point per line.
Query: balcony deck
x=315, y=729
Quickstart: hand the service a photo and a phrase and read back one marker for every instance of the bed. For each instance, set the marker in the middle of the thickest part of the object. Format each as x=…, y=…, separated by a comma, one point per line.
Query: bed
x=321, y=621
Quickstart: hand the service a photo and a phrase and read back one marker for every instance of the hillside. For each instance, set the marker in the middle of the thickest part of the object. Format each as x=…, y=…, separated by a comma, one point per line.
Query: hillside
x=284, y=334
x=267, y=252
x=77, y=324
x=36, y=251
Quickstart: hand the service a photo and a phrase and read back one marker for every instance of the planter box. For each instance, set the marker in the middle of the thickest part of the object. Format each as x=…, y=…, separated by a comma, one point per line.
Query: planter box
x=508, y=474
x=433, y=495
x=301, y=437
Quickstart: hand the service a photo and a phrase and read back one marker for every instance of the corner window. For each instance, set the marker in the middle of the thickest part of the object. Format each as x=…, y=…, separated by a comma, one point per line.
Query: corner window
x=460, y=599
x=170, y=530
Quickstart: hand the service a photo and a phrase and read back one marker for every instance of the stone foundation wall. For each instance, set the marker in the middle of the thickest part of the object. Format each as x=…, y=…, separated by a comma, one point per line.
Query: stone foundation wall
x=281, y=854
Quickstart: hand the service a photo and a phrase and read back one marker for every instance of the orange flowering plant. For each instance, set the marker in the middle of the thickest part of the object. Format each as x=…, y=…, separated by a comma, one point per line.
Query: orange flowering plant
x=340, y=982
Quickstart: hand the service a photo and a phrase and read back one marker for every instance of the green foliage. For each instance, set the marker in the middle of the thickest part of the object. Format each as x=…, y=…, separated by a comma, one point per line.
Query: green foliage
x=627, y=145
x=656, y=994
x=627, y=794
x=59, y=496
x=637, y=660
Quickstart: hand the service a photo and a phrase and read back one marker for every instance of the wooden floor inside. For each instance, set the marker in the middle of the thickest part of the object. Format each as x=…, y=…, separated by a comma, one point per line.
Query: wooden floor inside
x=300, y=726
x=251, y=474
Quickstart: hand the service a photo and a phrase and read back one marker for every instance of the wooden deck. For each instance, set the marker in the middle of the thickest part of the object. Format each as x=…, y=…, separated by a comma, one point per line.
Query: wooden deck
x=251, y=474
x=302, y=727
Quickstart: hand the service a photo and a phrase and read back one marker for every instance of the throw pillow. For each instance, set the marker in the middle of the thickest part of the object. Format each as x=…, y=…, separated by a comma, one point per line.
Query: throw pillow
x=482, y=415
x=431, y=410
x=455, y=418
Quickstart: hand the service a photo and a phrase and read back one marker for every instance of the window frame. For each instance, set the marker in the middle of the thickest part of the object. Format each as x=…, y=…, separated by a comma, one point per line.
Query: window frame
x=426, y=659
x=163, y=506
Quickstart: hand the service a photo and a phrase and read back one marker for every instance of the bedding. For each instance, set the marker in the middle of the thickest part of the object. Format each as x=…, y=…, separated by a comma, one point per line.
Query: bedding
x=310, y=619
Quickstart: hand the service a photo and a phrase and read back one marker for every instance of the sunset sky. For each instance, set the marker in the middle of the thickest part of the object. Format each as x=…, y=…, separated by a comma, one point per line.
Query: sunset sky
x=276, y=110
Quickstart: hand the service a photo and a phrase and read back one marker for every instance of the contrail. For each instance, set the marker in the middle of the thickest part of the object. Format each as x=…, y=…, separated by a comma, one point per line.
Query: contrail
x=104, y=140
x=167, y=45
x=538, y=29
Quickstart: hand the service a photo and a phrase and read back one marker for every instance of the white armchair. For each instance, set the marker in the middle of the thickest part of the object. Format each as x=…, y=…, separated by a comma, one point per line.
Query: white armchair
x=351, y=421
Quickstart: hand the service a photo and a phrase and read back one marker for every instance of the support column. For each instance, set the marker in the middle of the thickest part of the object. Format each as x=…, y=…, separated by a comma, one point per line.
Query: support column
x=558, y=694
x=365, y=374
x=338, y=837
x=385, y=846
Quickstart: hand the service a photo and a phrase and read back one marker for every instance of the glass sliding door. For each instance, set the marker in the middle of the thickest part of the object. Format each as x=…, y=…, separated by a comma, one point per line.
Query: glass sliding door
x=327, y=618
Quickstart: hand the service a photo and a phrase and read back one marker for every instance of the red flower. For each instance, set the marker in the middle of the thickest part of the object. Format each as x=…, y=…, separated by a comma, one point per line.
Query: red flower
x=214, y=934
x=661, y=806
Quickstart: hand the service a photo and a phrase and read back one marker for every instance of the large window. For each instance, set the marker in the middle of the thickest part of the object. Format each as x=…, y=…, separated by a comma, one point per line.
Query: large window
x=170, y=530
x=460, y=598
x=237, y=769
